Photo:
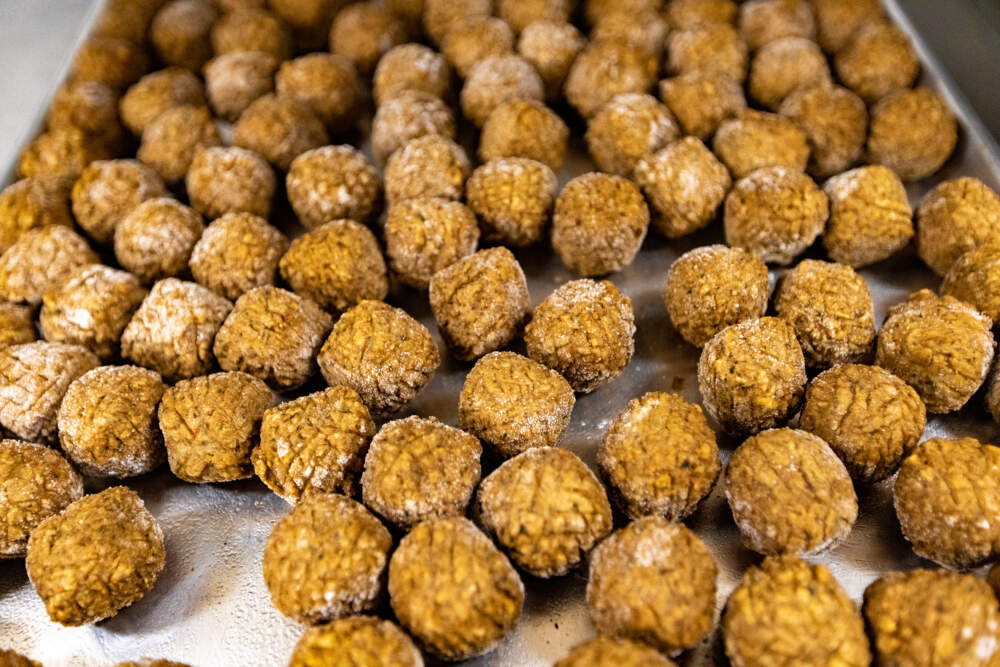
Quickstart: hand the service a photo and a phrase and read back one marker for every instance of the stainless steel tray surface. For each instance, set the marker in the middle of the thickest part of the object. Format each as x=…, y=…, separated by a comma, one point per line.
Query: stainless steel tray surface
x=210, y=606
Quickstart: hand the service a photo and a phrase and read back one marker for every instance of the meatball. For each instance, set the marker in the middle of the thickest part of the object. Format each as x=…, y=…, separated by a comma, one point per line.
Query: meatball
x=427, y=234
x=975, y=279
x=939, y=346
x=876, y=60
x=546, y=509
x=233, y=81
x=358, y=640
x=330, y=183
x=870, y=418
x=419, y=469
x=428, y=166
x=627, y=129
x=170, y=142
x=328, y=86
x=363, y=32
x=599, y=223
x=924, y=617
x=837, y=20
x=157, y=92
x=476, y=38
x=108, y=190
x=314, y=444
x=107, y=422
x=789, y=493
x=608, y=651
x=99, y=555
x=604, y=70
x=453, y=590
x=237, y=253
x=513, y=403
x=337, y=265
x=279, y=129
x=256, y=30
x=408, y=115
x=659, y=457
x=782, y=66
x=653, y=581
x=91, y=307
x=710, y=47
x=701, y=99
x=230, y=180
x=955, y=217
x=36, y=482
x=496, y=80
x=526, y=129
x=92, y=108
x=181, y=33
x=310, y=20
x=764, y=21
x=786, y=610
x=480, y=302
x=684, y=184
x=836, y=125
x=519, y=14
x=512, y=198
x=551, y=47
x=61, y=154
x=441, y=15
x=830, y=307
x=644, y=29
x=273, y=335
x=585, y=330
x=34, y=378
x=39, y=260
x=17, y=324
x=31, y=203
x=155, y=240
x=913, y=132
x=412, y=67
x=870, y=216
x=775, y=213
x=683, y=14
x=380, y=352
x=112, y=61
x=173, y=329
x=756, y=139
x=210, y=425
x=752, y=375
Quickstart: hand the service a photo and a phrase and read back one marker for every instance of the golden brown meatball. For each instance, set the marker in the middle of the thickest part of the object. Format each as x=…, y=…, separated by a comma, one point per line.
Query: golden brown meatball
x=701, y=99
x=255, y=30
x=407, y=116
x=607, y=651
x=644, y=29
x=441, y=15
x=876, y=60
x=412, y=67
x=31, y=203
x=230, y=180
x=155, y=240
x=233, y=81
x=89, y=106
x=327, y=85
x=476, y=38
x=155, y=93
x=683, y=14
x=170, y=142
x=181, y=33
x=428, y=166
x=975, y=279
x=108, y=190
x=913, y=132
x=330, y=183
x=513, y=198
x=955, y=217
x=525, y=129
x=279, y=129
x=363, y=32
x=496, y=80
x=39, y=260
x=17, y=324
x=626, y=129
x=115, y=62
x=755, y=139
x=427, y=234
x=61, y=154
x=237, y=253
x=604, y=70
x=835, y=121
x=837, y=20
x=782, y=66
x=551, y=47
x=764, y=21
x=714, y=47
x=361, y=641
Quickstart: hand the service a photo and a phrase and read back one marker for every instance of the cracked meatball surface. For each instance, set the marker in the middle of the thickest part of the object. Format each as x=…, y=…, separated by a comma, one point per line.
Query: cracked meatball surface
x=512, y=197
x=39, y=260
x=237, y=253
x=955, y=217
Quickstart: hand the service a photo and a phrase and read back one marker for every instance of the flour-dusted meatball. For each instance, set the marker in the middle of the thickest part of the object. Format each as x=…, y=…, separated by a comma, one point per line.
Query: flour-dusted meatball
x=788, y=611
x=314, y=444
x=604, y=70
x=36, y=482
x=326, y=559
x=660, y=457
x=155, y=93
x=870, y=418
x=975, y=279
x=410, y=114
x=512, y=198
x=496, y=80
x=279, y=129
x=211, y=424
x=599, y=223
x=480, y=302
x=39, y=260
x=913, y=132
x=328, y=86
x=876, y=60
x=527, y=129
x=273, y=335
x=364, y=641
x=255, y=30
x=34, y=378
x=99, y=555
x=31, y=203
x=682, y=14
x=411, y=67
x=108, y=190
x=546, y=509
x=173, y=330
x=155, y=240
x=946, y=499
x=789, y=493
x=181, y=33
x=928, y=617
x=233, y=81
x=330, y=183
x=712, y=287
x=585, y=330
x=701, y=99
x=380, y=352
x=684, y=184
x=337, y=265
x=428, y=166
x=837, y=20
x=91, y=307
x=440, y=16
x=17, y=324
x=170, y=142
x=835, y=121
x=363, y=32
x=830, y=307
x=870, y=216
x=653, y=581
x=757, y=139
x=551, y=47
x=627, y=129
x=608, y=651
x=764, y=21
x=513, y=403
x=229, y=180
x=61, y=154
x=709, y=47
x=107, y=422
x=89, y=106
x=955, y=217
x=427, y=234
x=752, y=375
x=112, y=61
x=782, y=66
x=453, y=590
x=419, y=469
x=644, y=29
x=476, y=38
x=237, y=253
x=938, y=345
x=775, y=213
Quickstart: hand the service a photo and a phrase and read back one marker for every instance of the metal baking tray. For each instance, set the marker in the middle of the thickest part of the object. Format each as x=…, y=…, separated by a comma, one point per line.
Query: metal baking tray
x=210, y=606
